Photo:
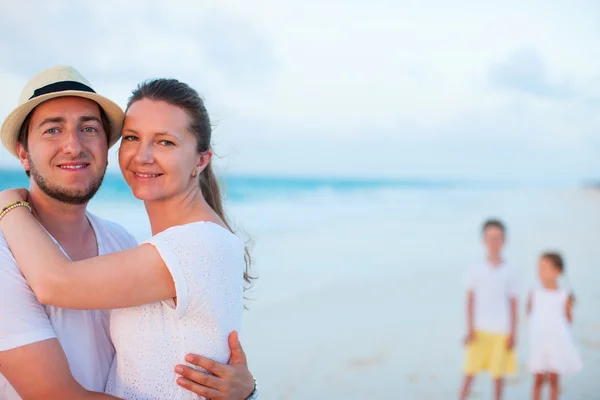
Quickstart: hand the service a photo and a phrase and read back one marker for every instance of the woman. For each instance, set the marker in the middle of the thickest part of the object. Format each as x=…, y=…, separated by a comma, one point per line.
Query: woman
x=182, y=290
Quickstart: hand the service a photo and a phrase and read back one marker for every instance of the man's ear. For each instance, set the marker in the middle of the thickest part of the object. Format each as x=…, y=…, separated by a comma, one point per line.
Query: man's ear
x=23, y=156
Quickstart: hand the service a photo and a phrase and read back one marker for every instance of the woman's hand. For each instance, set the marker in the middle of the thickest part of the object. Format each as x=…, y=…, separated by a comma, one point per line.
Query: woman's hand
x=10, y=196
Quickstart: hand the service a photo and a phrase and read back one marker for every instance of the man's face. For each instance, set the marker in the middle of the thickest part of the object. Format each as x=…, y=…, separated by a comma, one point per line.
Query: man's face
x=67, y=149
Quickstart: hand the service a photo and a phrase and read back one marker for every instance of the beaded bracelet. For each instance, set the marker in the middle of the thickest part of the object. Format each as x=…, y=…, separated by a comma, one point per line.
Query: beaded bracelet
x=12, y=206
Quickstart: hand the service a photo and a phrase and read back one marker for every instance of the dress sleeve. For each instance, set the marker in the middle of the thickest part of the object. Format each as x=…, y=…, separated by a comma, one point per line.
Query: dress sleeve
x=206, y=263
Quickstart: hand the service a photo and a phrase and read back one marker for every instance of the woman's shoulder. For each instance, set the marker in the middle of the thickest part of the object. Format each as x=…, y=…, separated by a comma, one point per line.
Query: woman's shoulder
x=200, y=233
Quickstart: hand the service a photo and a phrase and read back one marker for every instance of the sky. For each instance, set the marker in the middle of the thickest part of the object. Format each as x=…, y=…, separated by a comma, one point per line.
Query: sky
x=378, y=88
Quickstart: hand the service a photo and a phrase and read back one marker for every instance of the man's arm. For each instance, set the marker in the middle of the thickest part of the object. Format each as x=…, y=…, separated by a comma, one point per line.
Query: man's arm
x=40, y=371
x=231, y=381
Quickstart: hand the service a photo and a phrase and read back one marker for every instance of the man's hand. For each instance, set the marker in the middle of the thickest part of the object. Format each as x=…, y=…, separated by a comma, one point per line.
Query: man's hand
x=231, y=381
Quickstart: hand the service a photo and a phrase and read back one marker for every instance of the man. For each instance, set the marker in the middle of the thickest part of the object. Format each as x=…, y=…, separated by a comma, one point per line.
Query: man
x=52, y=353
x=491, y=314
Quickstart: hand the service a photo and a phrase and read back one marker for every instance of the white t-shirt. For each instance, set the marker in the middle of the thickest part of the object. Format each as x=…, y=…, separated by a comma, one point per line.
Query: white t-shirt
x=206, y=262
x=83, y=334
x=493, y=288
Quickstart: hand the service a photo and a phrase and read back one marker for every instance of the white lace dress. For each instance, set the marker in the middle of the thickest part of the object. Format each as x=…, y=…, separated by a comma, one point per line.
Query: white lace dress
x=207, y=263
x=551, y=343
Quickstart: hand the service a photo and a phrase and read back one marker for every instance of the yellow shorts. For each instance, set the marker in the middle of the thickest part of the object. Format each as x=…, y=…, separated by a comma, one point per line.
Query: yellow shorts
x=488, y=352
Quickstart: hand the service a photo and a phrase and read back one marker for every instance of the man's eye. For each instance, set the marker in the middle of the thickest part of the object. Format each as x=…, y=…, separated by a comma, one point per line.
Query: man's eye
x=90, y=129
x=52, y=131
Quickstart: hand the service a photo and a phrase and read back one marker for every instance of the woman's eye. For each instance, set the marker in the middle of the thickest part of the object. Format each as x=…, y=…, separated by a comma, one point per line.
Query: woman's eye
x=166, y=143
x=129, y=138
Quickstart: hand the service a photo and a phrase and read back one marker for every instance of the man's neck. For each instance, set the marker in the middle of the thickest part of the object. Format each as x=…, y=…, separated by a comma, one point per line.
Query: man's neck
x=63, y=221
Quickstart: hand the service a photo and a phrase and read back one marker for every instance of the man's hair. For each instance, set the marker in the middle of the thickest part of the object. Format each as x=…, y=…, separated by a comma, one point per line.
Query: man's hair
x=493, y=223
x=24, y=131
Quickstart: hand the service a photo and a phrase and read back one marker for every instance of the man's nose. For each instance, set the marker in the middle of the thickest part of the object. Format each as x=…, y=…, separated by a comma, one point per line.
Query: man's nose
x=72, y=144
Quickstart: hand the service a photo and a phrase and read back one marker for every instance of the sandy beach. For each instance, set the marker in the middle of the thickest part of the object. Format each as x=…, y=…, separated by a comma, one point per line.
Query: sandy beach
x=371, y=305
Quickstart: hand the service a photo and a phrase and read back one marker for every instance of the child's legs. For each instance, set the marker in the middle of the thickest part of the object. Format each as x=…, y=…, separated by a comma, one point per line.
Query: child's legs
x=477, y=357
x=502, y=362
x=554, y=386
x=498, y=388
x=538, y=383
x=465, y=389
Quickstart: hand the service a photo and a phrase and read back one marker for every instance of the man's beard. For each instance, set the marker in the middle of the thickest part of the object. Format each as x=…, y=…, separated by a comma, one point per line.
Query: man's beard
x=65, y=195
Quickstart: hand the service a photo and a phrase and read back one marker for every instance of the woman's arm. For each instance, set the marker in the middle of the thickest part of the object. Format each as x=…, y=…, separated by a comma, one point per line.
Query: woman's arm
x=121, y=279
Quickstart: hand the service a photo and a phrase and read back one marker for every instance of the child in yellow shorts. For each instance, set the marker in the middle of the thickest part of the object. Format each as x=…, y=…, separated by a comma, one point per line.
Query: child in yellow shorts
x=491, y=314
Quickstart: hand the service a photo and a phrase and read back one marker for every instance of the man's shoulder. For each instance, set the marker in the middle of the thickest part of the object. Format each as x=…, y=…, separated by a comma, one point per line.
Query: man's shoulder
x=8, y=264
x=107, y=225
x=4, y=249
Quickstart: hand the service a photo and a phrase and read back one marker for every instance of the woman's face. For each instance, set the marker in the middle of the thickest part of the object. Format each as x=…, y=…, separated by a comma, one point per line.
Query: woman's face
x=158, y=155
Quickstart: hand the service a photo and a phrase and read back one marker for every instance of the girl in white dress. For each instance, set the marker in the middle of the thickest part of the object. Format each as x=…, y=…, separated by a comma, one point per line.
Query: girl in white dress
x=182, y=290
x=552, y=348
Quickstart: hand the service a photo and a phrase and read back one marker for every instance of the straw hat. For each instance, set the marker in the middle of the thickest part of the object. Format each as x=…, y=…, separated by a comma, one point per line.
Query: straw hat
x=59, y=81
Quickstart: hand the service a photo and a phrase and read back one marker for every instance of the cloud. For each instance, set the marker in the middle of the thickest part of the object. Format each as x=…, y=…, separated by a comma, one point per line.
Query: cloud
x=339, y=86
x=525, y=72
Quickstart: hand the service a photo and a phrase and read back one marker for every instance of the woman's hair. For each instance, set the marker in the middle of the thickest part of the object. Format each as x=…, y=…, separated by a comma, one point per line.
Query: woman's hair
x=556, y=260
x=179, y=94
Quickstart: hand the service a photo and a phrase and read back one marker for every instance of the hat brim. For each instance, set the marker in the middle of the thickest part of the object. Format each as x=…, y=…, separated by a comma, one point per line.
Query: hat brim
x=9, y=133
